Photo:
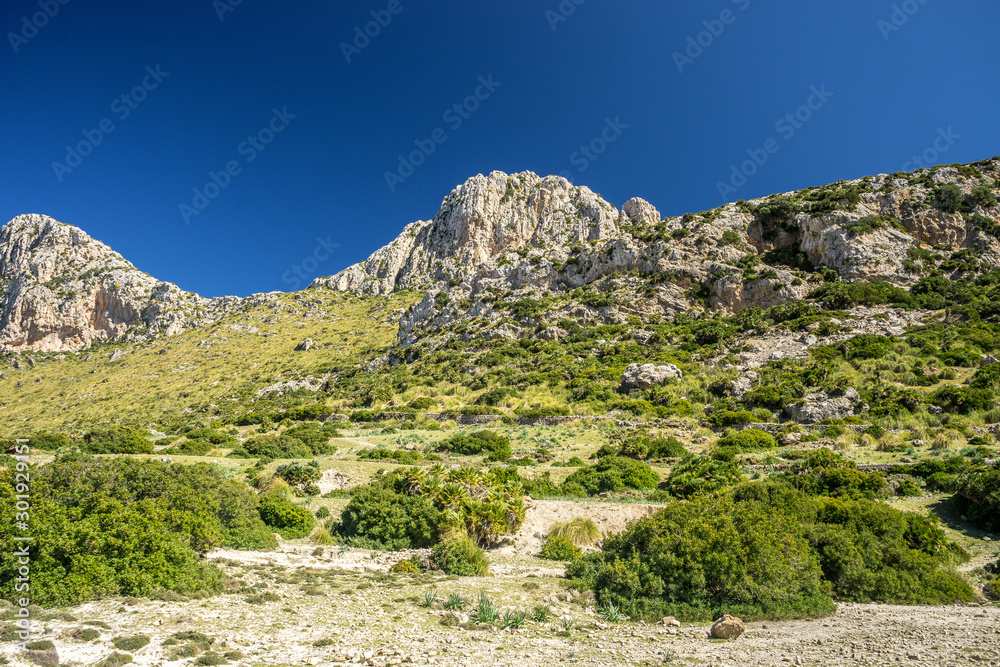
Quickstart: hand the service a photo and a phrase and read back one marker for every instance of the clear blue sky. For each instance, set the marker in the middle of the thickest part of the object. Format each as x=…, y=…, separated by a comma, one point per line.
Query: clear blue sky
x=894, y=85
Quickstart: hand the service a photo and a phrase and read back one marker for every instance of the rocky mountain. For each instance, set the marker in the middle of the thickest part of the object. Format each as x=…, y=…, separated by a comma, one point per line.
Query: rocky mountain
x=63, y=290
x=503, y=240
x=509, y=256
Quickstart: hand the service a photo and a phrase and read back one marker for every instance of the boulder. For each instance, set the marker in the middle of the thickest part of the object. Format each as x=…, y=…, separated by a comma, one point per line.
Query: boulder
x=644, y=376
x=819, y=406
x=304, y=346
x=552, y=333
x=43, y=653
x=727, y=627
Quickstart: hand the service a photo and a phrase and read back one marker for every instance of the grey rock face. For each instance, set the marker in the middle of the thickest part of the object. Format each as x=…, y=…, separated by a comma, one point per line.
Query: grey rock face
x=819, y=406
x=644, y=376
x=62, y=290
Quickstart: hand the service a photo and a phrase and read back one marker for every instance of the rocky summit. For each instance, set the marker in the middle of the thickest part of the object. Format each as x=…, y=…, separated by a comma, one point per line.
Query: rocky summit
x=63, y=291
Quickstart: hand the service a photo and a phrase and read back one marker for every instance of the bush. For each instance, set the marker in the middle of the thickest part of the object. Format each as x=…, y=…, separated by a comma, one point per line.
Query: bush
x=613, y=474
x=964, y=400
x=983, y=196
x=106, y=527
x=826, y=473
x=386, y=519
x=130, y=644
x=726, y=418
x=559, y=548
x=700, y=559
x=302, y=476
x=458, y=555
x=405, y=566
x=272, y=447
x=977, y=494
x=747, y=440
x=495, y=446
x=496, y=396
x=422, y=403
x=696, y=475
x=314, y=436
x=115, y=441
x=950, y=198
x=291, y=521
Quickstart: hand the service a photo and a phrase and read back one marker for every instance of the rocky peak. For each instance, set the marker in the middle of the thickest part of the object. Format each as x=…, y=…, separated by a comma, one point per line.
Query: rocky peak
x=502, y=240
x=63, y=290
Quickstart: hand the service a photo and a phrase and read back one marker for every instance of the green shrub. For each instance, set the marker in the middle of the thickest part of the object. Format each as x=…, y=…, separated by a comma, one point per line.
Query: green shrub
x=106, y=527
x=302, y=476
x=315, y=436
x=964, y=400
x=825, y=473
x=49, y=442
x=613, y=474
x=422, y=403
x=115, y=660
x=726, y=418
x=115, y=441
x=389, y=520
x=559, y=548
x=748, y=440
x=495, y=446
x=696, y=475
x=290, y=520
x=699, y=559
x=977, y=494
x=640, y=445
x=458, y=555
x=949, y=197
x=405, y=566
x=322, y=513
x=496, y=396
x=130, y=644
x=272, y=447
x=983, y=196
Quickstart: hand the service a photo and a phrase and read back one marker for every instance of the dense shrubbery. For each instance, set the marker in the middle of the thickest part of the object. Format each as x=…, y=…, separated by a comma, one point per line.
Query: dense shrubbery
x=699, y=559
x=115, y=441
x=557, y=547
x=272, y=447
x=315, y=436
x=826, y=473
x=611, y=474
x=302, y=476
x=767, y=550
x=978, y=495
x=747, y=440
x=124, y=527
x=410, y=508
x=290, y=520
x=496, y=447
x=699, y=475
x=458, y=555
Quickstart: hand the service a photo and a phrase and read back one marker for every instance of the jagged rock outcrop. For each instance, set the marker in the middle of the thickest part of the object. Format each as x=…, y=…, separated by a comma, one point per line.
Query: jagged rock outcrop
x=644, y=376
x=63, y=290
x=502, y=239
x=819, y=406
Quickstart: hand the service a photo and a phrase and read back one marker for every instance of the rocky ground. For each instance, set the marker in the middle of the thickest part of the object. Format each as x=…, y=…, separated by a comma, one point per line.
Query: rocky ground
x=309, y=605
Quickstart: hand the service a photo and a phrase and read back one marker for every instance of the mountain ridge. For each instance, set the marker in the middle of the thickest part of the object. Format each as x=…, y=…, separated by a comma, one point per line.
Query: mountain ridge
x=501, y=239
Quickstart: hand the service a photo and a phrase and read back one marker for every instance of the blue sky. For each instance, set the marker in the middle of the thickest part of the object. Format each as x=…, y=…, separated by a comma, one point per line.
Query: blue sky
x=299, y=130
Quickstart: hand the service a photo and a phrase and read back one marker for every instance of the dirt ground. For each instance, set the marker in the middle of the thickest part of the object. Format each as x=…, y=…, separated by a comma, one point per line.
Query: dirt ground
x=303, y=605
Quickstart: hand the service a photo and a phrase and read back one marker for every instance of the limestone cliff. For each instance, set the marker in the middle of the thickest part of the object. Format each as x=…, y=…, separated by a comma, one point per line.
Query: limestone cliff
x=63, y=290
